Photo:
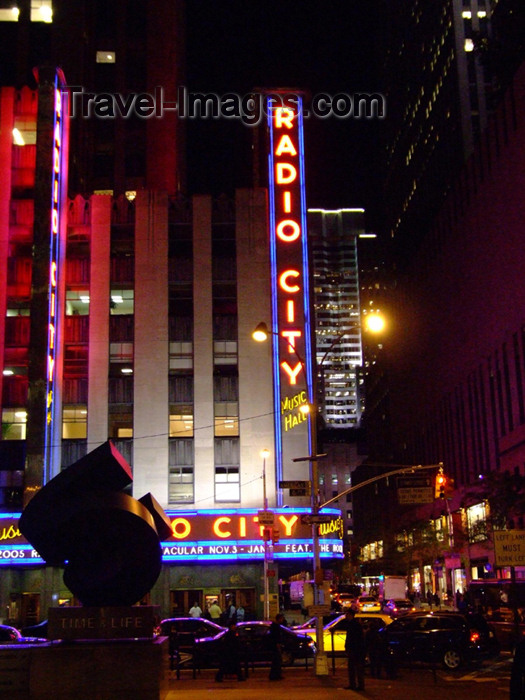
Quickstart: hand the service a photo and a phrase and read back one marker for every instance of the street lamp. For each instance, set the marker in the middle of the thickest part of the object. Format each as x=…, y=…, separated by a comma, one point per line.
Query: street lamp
x=261, y=333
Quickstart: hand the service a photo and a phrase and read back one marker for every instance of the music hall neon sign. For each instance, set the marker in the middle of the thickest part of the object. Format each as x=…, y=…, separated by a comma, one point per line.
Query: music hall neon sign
x=290, y=279
x=57, y=183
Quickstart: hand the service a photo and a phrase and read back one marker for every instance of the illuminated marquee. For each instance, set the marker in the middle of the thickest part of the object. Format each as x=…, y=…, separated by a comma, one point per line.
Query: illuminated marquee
x=58, y=166
x=290, y=286
x=210, y=535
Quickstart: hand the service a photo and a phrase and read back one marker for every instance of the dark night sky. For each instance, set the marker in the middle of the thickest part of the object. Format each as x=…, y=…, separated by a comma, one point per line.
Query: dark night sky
x=330, y=47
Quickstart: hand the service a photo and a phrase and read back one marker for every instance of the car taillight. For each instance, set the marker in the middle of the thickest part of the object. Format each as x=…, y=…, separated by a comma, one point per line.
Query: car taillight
x=474, y=636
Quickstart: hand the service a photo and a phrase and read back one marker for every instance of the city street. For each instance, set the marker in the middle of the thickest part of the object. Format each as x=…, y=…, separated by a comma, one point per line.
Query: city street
x=488, y=681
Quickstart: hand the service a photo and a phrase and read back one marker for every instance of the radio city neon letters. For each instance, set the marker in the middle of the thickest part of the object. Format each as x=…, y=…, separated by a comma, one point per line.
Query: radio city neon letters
x=224, y=526
x=54, y=244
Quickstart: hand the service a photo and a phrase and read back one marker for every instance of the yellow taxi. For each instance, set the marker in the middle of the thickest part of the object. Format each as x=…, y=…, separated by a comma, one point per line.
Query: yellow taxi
x=368, y=604
x=335, y=632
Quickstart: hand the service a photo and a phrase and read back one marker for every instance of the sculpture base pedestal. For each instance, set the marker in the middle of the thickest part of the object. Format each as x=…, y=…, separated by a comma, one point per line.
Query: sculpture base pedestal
x=104, y=670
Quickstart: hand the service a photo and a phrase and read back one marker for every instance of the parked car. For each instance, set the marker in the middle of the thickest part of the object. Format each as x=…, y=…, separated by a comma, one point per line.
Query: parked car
x=335, y=632
x=254, y=642
x=450, y=638
x=398, y=606
x=345, y=600
x=189, y=629
x=39, y=630
x=368, y=603
x=312, y=621
x=10, y=635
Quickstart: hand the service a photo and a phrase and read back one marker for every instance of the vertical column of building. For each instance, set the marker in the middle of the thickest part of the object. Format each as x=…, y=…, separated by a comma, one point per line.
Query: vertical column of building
x=203, y=351
x=151, y=357
x=98, y=362
x=255, y=360
x=6, y=140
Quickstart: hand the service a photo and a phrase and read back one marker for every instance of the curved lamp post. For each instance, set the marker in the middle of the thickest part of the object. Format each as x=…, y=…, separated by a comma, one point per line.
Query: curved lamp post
x=261, y=333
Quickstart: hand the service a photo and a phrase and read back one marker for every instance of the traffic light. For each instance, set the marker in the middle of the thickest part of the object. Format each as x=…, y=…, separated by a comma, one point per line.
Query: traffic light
x=275, y=536
x=441, y=482
x=267, y=534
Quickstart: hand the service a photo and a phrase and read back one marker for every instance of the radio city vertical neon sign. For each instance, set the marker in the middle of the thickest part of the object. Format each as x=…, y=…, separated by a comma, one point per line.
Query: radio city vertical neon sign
x=290, y=280
x=54, y=262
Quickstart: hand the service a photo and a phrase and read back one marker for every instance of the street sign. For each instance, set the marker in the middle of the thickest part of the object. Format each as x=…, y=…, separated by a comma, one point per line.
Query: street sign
x=299, y=492
x=318, y=610
x=294, y=485
x=316, y=519
x=509, y=547
x=266, y=517
x=414, y=489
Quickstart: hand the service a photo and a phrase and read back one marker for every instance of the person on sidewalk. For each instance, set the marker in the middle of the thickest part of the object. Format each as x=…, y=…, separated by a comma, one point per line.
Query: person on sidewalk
x=230, y=655
x=355, y=652
x=275, y=636
x=195, y=610
x=215, y=612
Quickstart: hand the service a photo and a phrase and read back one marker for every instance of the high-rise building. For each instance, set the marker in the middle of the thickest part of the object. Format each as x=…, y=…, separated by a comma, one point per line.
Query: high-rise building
x=333, y=238
x=440, y=92
x=111, y=54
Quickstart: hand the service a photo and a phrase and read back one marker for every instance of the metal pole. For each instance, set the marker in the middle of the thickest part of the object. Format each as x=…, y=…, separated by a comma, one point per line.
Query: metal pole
x=321, y=662
x=265, y=568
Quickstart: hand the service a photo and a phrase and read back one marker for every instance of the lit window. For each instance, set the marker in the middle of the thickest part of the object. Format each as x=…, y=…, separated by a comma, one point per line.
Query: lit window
x=226, y=418
x=41, y=11
x=106, y=57
x=77, y=302
x=74, y=422
x=122, y=301
x=9, y=14
x=181, y=422
x=466, y=14
x=227, y=486
x=14, y=423
x=469, y=45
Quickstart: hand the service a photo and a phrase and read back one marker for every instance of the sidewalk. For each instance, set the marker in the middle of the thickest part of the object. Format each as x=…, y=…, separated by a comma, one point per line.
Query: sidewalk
x=298, y=682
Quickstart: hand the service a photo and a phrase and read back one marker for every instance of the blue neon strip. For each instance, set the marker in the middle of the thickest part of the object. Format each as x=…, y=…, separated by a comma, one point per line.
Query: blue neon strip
x=217, y=512
x=241, y=543
x=306, y=275
x=275, y=317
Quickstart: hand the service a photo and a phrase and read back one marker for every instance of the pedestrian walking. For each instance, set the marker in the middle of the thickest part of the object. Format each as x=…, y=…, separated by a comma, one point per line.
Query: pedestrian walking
x=231, y=612
x=355, y=652
x=215, y=612
x=240, y=613
x=195, y=610
x=230, y=661
x=276, y=639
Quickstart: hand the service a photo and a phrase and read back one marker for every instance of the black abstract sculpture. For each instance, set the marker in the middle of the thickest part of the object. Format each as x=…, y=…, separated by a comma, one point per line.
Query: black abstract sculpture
x=107, y=541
